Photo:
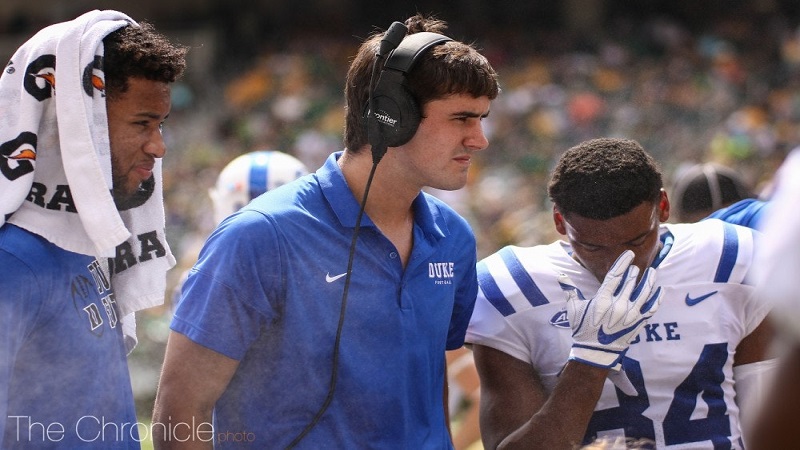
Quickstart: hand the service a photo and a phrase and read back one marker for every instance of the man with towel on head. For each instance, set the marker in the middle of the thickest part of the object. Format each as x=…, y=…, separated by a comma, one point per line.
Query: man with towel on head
x=82, y=244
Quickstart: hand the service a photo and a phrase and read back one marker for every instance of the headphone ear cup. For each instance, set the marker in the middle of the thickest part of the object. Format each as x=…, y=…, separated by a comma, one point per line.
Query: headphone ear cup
x=397, y=115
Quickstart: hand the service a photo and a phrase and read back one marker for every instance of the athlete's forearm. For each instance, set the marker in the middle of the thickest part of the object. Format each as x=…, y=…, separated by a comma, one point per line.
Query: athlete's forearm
x=561, y=422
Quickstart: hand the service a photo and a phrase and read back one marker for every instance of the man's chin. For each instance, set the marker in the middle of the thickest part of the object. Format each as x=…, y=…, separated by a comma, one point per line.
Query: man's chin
x=126, y=201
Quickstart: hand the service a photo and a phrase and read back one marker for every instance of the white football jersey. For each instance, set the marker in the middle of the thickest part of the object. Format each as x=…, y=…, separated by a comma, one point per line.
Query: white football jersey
x=681, y=363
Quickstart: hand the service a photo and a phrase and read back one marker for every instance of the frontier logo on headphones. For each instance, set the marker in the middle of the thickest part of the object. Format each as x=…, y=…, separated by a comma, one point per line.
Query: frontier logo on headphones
x=384, y=118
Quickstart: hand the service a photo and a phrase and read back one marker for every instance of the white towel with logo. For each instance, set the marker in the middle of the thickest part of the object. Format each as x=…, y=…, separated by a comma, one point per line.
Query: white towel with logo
x=55, y=162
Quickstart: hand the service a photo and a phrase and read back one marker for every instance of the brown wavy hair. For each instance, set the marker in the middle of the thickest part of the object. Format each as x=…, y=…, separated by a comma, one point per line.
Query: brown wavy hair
x=140, y=51
x=449, y=68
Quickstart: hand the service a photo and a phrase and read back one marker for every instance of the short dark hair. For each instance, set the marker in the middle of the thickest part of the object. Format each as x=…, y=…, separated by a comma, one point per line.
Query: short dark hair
x=604, y=178
x=140, y=51
x=449, y=68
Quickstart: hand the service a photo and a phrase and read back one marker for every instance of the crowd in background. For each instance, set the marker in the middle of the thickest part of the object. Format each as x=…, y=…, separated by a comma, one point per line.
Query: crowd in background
x=729, y=94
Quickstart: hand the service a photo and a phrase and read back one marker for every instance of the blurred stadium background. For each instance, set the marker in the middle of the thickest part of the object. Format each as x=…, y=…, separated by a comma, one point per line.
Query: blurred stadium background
x=706, y=80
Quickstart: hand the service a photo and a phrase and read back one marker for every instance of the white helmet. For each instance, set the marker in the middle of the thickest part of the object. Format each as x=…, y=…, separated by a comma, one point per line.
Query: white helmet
x=250, y=175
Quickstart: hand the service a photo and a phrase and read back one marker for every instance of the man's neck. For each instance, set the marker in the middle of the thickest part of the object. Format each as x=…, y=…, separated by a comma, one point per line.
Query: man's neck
x=389, y=200
x=390, y=197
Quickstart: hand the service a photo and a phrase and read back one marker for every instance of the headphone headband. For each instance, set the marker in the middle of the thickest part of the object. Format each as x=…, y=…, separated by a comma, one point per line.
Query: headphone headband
x=405, y=55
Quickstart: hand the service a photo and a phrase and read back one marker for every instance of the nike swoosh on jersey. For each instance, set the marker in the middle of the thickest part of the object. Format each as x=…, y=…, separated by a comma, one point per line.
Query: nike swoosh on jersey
x=693, y=301
x=606, y=339
x=331, y=279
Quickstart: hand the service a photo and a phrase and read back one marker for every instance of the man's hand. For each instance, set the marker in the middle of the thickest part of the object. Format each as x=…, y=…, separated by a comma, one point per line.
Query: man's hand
x=603, y=326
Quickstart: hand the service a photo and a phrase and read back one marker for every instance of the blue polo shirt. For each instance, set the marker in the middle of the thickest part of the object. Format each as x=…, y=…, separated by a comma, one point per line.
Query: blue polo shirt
x=267, y=291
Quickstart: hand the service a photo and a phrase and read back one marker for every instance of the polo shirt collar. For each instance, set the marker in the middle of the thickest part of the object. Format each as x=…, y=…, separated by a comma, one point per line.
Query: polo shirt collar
x=344, y=204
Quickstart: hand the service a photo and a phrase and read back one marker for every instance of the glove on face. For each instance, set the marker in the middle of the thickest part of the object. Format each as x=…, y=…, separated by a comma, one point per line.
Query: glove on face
x=603, y=326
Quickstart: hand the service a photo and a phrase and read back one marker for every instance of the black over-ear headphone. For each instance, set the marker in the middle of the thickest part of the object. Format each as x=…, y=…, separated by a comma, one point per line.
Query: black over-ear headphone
x=396, y=113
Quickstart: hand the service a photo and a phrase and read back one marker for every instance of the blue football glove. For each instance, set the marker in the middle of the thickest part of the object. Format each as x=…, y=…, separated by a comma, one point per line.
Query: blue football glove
x=603, y=326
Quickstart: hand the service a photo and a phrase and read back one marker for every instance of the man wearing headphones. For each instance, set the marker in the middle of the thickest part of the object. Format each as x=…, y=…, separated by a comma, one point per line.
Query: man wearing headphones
x=319, y=315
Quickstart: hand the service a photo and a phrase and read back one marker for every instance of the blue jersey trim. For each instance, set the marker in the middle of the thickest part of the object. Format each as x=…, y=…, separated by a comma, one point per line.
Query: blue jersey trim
x=526, y=284
x=730, y=251
x=492, y=292
x=667, y=239
x=258, y=177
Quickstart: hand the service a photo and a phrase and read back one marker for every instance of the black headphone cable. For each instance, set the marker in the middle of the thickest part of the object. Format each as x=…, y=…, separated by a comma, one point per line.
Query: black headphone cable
x=392, y=38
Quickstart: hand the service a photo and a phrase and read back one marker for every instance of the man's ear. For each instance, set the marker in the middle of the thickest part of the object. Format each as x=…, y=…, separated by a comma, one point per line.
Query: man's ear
x=663, y=207
x=558, y=219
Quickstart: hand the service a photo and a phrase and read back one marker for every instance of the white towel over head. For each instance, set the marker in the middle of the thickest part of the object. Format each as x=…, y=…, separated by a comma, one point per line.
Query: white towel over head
x=55, y=162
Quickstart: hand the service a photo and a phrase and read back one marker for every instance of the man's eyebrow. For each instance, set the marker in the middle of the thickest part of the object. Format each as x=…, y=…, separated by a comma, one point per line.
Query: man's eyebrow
x=631, y=241
x=470, y=114
x=589, y=244
x=639, y=237
x=150, y=115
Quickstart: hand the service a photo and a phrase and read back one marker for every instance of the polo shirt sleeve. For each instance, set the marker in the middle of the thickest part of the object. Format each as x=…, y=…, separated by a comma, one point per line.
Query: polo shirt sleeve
x=226, y=299
x=466, y=292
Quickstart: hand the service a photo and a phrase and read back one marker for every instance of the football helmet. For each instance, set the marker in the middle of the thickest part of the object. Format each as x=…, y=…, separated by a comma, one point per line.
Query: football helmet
x=250, y=175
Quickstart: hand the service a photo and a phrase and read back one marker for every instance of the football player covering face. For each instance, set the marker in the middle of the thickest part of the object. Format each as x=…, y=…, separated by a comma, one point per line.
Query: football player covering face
x=135, y=118
x=596, y=244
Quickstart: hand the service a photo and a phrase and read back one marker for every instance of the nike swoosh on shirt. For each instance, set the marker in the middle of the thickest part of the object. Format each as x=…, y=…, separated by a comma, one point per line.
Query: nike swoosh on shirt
x=331, y=279
x=606, y=339
x=693, y=301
